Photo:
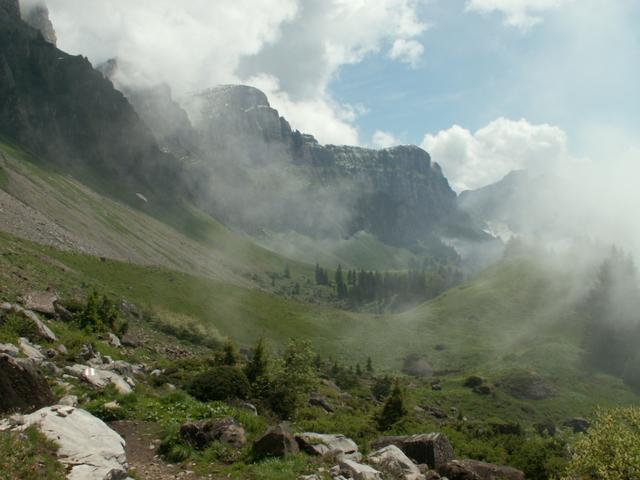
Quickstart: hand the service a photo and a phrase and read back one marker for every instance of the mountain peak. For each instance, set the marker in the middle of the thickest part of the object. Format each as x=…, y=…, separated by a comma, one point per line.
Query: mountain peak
x=241, y=97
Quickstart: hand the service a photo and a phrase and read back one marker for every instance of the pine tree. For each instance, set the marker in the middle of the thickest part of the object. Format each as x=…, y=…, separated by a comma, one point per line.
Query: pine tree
x=394, y=408
x=369, y=365
x=358, y=370
x=257, y=366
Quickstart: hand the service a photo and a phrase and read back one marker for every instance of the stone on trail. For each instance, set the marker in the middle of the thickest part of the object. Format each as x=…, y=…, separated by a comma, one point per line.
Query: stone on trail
x=87, y=445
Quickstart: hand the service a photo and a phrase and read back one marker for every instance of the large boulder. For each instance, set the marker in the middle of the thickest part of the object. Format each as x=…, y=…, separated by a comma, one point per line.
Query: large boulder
x=433, y=449
x=326, y=444
x=475, y=470
x=201, y=434
x=87, y=445
x=101, y=378
x=358, y=471
x=392, y=460
x=22, y=387
x=278, y=441
x=32, y=352
x=41, y=302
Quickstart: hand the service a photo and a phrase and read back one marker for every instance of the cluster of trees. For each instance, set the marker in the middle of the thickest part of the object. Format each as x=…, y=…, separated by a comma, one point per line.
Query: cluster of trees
x=612, y=309
x=282, y=383
x=415, y=285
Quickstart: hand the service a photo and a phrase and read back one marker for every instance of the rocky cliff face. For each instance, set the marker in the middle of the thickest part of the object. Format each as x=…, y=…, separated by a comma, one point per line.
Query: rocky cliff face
x=10, y=9
x=37, y=17
x=61, y=108
x=398, y=194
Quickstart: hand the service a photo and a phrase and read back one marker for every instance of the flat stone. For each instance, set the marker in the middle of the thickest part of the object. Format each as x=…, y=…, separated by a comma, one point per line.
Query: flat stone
x=86, y=444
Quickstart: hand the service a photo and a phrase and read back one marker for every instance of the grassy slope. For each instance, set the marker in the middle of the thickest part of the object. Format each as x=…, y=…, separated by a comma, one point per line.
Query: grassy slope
x=512, y=317
x=182, y=238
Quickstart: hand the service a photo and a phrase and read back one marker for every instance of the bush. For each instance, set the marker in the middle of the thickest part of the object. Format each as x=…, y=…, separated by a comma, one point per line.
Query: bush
x=610, y=450
x=290, y=379
x=221, y=383
x=14, y=326
x=101, y=315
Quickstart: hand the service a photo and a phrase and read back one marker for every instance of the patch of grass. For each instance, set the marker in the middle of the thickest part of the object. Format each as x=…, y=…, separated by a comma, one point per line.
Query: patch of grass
x=13, y=326
x=29, y=456
x=272, y=468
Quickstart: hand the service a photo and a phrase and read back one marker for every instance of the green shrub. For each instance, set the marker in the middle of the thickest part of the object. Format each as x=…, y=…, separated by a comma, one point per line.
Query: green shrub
x=290, y=380
x=14, y=326
x=610, y=450
x=220, y=383
x=101, y=315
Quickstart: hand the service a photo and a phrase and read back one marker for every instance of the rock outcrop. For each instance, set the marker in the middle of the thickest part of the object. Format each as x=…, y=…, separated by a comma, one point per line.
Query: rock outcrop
x=475, y=470
x=392, y=460
x=66, y=112
x=202, y=434
x=358, y=471
x=37, y=16
x=278, y=441
x=432, y=449
x=88, y=446
x=10, y=9
x=326, y=444
x=22, y=387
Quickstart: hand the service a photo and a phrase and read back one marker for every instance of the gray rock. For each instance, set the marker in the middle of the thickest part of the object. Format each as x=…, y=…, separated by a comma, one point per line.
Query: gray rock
x=249, y=407
x=475, y=470
x=31, y=351
x=100, y=378
x=9, y=349
x=433, y=449
x=42, y=331
x=359, y=471
x=51, y=369
x=324, y=444
x=321, y=402
x=69, y=401
x=278, y=441
x=201, y=434
x=40, y=301
x=22, y=386
x=87, y=445
x=114, y=341
x=392, y=460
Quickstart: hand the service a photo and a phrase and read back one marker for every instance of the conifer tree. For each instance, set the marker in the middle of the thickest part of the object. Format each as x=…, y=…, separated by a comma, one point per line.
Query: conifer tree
x=257, y=366
x=394, y=408
x=369, y=365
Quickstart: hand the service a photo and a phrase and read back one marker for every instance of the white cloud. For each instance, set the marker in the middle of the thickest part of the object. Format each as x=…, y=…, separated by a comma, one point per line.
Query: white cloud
x=321, y=116
x=472, y=160
x=383, y=139
x=194, y=45
x=523, y=14
x=408, y=51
